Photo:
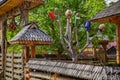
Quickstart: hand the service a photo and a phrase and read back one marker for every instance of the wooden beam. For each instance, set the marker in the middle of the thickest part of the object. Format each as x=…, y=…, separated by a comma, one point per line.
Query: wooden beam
x=29, y=43
x=12, y=8
x=3, y=25
x=33, y=51
x=118, y=42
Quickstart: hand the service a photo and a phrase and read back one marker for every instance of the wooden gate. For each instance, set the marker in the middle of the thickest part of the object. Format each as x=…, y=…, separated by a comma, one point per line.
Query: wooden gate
x=14, y=67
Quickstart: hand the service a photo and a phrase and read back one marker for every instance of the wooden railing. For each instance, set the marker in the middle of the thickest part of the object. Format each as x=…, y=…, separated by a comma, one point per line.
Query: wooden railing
x=14, y=67
x=53, y=70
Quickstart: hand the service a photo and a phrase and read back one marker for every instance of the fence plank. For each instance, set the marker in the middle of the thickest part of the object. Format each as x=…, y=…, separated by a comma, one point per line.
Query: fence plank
x=40, y=75
x=18, y=60
x=35, y=79
x=14, y=66
x=8, y=78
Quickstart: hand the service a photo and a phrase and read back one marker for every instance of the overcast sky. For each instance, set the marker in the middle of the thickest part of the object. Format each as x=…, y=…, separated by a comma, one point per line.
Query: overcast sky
x=108, y=1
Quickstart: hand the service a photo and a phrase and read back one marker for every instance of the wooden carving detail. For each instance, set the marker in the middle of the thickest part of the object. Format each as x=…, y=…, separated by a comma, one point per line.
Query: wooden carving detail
x=13, y=25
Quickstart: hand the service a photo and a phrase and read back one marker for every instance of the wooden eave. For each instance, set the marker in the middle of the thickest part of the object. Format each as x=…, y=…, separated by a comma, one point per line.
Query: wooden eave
x=110, y=19
x=10, y=6
x=29, y=43
x=109, y=14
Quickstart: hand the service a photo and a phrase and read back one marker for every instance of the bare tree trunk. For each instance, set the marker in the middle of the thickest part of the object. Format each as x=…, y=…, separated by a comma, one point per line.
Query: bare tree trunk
x=67, y=40
x=61, y=35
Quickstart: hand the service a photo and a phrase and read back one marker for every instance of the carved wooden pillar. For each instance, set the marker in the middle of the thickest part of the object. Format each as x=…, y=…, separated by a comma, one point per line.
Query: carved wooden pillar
x=3, y=25
x=118, y=42
x=24, y=18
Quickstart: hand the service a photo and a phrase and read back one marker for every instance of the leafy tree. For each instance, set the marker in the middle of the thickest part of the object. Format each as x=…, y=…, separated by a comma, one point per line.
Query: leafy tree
x=86, y=8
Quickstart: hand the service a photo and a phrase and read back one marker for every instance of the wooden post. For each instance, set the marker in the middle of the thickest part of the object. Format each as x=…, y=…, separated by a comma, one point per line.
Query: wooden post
x=118, y=42
x=24, y=18
x=94, y=52
x=55, y=76
x=12, y=66
x=33, y=52
x=26, y=54
x=104, y=45
x=3, y=25
x=28, y=74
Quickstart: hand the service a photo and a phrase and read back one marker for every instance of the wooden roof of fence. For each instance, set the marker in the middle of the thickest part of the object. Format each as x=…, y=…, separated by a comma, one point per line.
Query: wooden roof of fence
x=108, y=13
x=31, y=34
x=8, y=5
x=82, y=71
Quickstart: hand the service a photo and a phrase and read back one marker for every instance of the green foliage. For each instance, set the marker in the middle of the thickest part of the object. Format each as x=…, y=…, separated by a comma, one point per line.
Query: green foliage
x=87, y=9
x=10, y=35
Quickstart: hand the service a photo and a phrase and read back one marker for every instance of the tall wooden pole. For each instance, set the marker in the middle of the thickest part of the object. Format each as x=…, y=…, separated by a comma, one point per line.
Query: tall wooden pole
x=104, y=45
x=3, y=25
x=24, y=18
x=118, y=42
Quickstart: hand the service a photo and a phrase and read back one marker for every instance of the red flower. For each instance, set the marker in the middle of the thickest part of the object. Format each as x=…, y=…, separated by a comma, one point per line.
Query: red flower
x=51, y=15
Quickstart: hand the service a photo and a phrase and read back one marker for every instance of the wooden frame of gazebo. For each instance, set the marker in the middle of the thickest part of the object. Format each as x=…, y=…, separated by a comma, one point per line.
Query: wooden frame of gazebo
x=30, y=36
x=111, y=14
x=10, y=9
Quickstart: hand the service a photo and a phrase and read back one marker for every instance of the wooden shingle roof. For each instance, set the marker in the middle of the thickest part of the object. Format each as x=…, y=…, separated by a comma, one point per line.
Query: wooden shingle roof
x=82, y=71
x=107, y=14
x=31, y=34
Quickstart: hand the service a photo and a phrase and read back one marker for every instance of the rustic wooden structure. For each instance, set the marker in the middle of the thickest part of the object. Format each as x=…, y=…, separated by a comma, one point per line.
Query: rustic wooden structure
x=69, y=71
x=112, y=15
x=31, y=36
x=10, y=9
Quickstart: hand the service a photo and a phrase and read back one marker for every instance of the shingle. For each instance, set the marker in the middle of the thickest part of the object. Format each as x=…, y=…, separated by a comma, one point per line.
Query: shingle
x=31, y=32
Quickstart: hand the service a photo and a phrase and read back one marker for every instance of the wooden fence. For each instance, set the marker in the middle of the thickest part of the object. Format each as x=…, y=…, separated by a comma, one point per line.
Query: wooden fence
x=57, y=70
x=14, y=67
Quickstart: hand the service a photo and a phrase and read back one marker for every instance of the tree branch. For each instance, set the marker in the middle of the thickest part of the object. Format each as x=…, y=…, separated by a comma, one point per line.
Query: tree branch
x=88, y=42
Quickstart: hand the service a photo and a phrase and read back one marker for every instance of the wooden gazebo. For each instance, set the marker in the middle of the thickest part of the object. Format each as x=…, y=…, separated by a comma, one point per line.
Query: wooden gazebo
x=30, y=36
x=111, y=14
